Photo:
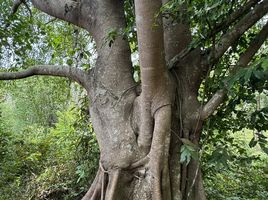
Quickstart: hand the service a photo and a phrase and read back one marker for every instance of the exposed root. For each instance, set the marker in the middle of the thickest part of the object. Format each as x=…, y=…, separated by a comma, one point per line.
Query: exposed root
x=112, y=185
x=159, y=151
x=140, y=163
x=104, y=185
x=166, y=183
x=93, y=186
x=156, y=185
x=97, y=192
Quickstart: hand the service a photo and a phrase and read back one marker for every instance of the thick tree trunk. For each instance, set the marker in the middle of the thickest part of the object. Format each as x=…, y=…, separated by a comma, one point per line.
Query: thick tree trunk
x=134, y=181
x=139, y=135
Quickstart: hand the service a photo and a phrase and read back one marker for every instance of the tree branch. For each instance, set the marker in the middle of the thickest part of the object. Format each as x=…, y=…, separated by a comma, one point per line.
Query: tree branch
x=244, y=59
x=67, y=10
x=242, y=26
x=254, y=46
x=72, y=73
x=225, y=24
x=213, y=103
x=233, y=17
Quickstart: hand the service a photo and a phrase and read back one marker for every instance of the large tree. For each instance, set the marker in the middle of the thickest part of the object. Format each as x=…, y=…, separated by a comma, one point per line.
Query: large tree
x=141, y=127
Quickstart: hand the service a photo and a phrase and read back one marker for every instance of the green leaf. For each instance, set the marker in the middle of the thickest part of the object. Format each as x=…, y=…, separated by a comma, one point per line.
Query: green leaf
x=188, y=151
x=257, y=74
x=265, y=64
x=247, y=75
x=188, y=143
x=185, y=155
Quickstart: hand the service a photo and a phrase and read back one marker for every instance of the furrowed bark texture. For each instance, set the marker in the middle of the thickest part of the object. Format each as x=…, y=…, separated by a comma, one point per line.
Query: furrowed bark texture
x=140, y=134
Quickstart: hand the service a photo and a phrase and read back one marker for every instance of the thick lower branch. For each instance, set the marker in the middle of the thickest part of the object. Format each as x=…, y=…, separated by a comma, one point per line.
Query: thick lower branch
x=173, y=61
x=72, y=73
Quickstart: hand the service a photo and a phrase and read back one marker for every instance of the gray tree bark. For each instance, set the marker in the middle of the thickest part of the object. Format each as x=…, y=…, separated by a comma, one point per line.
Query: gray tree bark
x=140, y=134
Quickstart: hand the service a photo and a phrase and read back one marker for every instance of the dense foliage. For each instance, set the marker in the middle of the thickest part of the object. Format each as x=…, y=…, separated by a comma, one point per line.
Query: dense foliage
x=46, y=152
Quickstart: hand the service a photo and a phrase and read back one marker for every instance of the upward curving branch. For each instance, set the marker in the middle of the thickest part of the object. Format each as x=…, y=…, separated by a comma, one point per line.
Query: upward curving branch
x=244, y=59
x=237, y=31
x=72, y=73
